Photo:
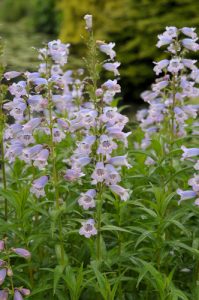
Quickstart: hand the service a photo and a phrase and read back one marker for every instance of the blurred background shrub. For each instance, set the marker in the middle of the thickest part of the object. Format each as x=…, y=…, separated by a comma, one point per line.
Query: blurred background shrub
x=132, y=24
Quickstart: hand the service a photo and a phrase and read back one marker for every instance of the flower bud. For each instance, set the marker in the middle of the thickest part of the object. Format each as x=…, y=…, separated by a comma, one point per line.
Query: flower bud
x=2, y=263
x=25, y=292
x=22, y=252
x=88, y=19
x=2, y=245
x=3, y=295
x=2, y=275
x=9, y=272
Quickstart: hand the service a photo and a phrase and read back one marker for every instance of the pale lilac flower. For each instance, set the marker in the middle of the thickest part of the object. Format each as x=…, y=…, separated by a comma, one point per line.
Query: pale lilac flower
x=180, y=115
x=89, y=22
x=141, y=114
x=164, y=40
x=158, y=86
x=31, y=75
x=194, y=182
x=56, y=70
x=189, y=63
x=108, y=49
x=18, y=89
x=13, y=131
x=190, y=32
x=119, y=161
x=189, y=152
x=38, y=186
x=40, y=160
x=112, y=86
x=79, y=162
x=17, y=295
x=37, y=103
x=29, y=153
x=184, y=195
x=120, y=191
x=108, y=97
x=99, y=173
x=63, y=124
x=121, y=121
x=3, y=273
x=119, y=135
x=88, y=228
x=191, y=111
x=112, y=67
x=190, y=44
x=17, y=111
x=106, y=145
x=149, y=161
x=58, y=135
x=73, y=174
x=32, y=124
x=99, y=92
x=84, y=147
x=171, y=31
x=11, y=75
x=87, y=199
x=27, y=138
x=113, y=177
x=110, y=115
x=146, y=142
x=14, y=150
x=149, y=96
x=39, y=82
x=58, y=51
x=159, y=66
x=175, y=65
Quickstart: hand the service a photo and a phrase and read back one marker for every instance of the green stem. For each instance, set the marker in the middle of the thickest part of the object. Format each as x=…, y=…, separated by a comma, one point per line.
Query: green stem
x=2, y=121
x=119, y=249
x=99, y=213
x=54, y=172
x=4, y=181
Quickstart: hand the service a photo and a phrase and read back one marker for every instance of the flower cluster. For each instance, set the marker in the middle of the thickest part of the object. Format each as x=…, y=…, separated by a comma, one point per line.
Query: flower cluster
x=41, y=104
x=102, y=127
x=191, y=154
x=168, y=98
x=6, y=270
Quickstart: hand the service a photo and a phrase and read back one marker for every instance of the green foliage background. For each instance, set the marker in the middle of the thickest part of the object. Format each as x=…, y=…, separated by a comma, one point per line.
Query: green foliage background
x=133, y=25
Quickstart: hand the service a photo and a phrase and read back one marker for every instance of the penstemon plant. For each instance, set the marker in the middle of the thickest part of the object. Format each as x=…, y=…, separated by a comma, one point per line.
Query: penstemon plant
x=102, y=127
x=7, y=271
x=98, y=202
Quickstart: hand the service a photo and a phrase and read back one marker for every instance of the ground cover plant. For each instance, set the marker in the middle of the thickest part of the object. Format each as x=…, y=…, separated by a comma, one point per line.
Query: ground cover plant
x=94, y=206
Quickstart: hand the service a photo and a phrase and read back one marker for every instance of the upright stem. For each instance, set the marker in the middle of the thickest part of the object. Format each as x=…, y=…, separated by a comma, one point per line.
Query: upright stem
x=55, y=173
x=119, y=249
x=99, y=213
x=172, y=133
x=4, y=180
x=2, y=123
x=172, y=111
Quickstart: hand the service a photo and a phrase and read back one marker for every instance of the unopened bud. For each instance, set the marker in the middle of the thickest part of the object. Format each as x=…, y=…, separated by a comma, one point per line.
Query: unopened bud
x=89, y=22
x=2, y=245
x=22, y=252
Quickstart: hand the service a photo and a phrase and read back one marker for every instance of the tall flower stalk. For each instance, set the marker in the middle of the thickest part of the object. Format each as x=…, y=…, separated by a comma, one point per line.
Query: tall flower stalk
x=2, y=128
x=101, y=126
x=169, y=109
